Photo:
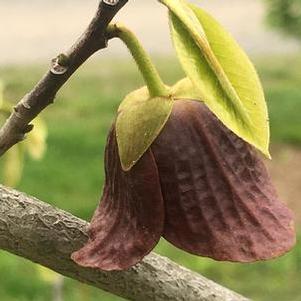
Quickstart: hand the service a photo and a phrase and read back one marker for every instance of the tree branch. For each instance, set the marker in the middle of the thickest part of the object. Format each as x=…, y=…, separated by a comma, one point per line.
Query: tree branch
x=43, y=94
x=46, y=235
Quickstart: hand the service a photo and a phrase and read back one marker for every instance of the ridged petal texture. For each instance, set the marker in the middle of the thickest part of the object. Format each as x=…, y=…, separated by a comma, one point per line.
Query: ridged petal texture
x=129, y=220
x=219, y=200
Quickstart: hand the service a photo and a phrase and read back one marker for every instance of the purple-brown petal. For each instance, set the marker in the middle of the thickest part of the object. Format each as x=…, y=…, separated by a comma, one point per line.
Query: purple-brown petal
x=130, y=218
x=219, y=200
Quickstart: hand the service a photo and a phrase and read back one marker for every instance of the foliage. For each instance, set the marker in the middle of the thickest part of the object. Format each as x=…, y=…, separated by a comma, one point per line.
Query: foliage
x=221, y=72
x=218, y=71
x=285, y=15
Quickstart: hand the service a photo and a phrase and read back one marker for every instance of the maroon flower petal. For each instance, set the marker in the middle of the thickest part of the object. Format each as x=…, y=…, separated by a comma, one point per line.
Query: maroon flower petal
x=219, y=200
x=130, y=218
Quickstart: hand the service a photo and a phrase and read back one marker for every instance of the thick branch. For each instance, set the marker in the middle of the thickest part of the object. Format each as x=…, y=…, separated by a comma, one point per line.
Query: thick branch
x=43, y=94
x=46, y=235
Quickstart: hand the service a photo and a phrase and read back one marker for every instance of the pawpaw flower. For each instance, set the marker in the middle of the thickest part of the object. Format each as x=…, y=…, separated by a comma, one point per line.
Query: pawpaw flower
x=181, y=162
x=199, y=186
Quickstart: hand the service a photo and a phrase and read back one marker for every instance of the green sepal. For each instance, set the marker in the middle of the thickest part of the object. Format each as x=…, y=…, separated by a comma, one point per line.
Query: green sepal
x=140, y=120
x=184, y=89
x=221, y=72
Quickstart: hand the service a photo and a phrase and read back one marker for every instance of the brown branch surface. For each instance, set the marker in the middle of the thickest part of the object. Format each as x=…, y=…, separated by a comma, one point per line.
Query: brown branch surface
x=43, y=94
x=46, y=235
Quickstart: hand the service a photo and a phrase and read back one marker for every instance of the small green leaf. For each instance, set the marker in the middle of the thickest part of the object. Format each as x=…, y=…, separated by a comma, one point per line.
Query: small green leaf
x=13, y=166
x=35, y=143
x=139, y=121
x=184, y=89
x=221, y=72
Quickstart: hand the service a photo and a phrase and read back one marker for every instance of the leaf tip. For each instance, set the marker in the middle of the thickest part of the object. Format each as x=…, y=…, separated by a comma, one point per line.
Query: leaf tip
x=268, y=155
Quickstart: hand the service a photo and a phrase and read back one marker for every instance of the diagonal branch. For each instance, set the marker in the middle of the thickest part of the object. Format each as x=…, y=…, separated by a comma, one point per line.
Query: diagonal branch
x=46, y=235
x=43, y=94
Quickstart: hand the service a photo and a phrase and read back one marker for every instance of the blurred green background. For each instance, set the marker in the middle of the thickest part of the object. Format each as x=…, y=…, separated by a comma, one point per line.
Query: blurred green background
x=71, y=173
x=71, y=176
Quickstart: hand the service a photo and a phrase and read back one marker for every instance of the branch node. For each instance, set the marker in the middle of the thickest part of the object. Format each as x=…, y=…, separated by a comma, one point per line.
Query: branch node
x=60, y=64
x=16, y=111
x=25, y=102
x=20, y=137
x=111, y=2
x=28, y=128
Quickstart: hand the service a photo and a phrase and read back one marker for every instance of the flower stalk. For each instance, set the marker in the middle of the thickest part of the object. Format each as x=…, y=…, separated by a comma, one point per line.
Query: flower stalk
x=148, y=70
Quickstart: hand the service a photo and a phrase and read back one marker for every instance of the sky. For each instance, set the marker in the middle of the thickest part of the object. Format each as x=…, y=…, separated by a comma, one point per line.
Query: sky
x=35, y=30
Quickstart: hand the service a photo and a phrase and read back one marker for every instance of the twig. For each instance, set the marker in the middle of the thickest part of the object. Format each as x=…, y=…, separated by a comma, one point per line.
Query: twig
x=43, y=94
x=46, y=235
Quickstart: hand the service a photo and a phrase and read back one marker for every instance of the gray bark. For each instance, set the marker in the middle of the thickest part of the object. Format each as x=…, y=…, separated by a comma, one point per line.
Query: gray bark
x=46, y=235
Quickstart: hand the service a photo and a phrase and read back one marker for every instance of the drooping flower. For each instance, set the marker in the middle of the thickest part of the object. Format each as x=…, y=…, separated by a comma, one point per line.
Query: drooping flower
x=199, y=186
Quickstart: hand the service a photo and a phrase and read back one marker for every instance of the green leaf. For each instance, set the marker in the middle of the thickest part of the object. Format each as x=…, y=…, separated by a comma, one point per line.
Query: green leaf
x=13, y=166
x=139, y=121
x=35, y=142
x=221, y=72
x=184, y=89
